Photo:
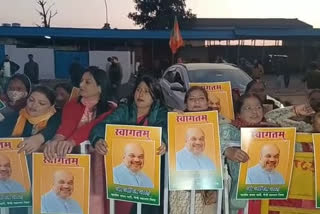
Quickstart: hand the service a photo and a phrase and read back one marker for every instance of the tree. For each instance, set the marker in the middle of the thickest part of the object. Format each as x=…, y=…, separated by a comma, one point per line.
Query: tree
x=46, y=14
x=159, y=14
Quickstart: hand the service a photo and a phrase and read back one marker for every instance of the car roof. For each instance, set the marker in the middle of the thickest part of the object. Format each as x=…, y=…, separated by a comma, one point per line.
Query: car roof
x=209, y=66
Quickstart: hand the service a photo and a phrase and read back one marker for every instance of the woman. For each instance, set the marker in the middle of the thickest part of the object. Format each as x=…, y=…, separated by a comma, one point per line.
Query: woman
x=196, y=100
x=15, y=97
x=36, y=122
x=249, y=113
x=144, y=108
x=63, y=92
x=79, y=116
x=34, y=118
x=258, y=88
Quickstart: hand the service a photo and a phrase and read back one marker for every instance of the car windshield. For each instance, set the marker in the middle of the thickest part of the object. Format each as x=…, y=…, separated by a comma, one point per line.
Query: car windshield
x=238, y=78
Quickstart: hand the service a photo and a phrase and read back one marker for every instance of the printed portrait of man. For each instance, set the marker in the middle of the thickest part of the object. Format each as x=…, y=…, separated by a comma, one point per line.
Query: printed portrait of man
x=265, y=171
x=192, y=156
x=58, y=199
x=214, y=103
x=129, y=172
x=8, y=185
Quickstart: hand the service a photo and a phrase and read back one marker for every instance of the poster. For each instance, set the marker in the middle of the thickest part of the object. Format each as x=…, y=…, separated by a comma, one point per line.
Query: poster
x=2, y=105
x=62, y=184
x=316, y=146
x=220, y=97
x=15, y=188
x=194, y=151
x=267, y=173
x=75, y=93
x=132, y=166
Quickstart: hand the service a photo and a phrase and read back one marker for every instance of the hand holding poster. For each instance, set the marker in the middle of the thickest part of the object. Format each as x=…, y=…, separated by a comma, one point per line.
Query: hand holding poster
x=62, y=184
x=267, y=174
x=132, y=166
x=194, y=151
x=15, y=188
x=220, y=97
x=316, y=146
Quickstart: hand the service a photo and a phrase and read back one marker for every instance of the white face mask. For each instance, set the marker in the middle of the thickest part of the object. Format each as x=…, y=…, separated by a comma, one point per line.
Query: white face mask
x=14, y=96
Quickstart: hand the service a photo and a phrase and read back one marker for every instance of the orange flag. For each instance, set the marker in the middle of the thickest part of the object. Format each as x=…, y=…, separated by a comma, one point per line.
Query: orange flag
x=176, y=40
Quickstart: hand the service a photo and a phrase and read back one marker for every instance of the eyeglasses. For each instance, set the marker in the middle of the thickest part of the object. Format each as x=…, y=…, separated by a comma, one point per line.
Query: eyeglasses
x=251, y=108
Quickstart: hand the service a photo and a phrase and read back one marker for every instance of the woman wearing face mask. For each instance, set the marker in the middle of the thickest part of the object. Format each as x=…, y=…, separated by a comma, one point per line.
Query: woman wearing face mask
x=63, y=92
x=196, y=100
x=15, y=97
x=34, y=118
x=79, y=116
x=249, y=113
x=144, y=108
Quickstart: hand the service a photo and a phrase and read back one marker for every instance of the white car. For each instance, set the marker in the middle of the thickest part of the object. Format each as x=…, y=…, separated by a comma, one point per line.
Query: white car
x=175, y=80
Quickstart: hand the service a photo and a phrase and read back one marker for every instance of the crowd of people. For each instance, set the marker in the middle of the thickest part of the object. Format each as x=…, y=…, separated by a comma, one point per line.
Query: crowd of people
x=52, y=123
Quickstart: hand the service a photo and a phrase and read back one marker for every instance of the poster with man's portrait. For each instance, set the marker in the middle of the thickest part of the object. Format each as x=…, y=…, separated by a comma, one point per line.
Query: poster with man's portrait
x=267, y=173
x=132, y=165
x=220, y=97
x=15, y=188
x=63, y=184
x=316, y=146
x=194, y=151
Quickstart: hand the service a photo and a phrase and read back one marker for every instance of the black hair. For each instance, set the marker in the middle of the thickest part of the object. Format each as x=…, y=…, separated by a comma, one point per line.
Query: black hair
x=49, y=93
x=30, y=55
x=24, y=79
x=100, y=77
x=153, y=85
x=252, y=83
x=239, y=103
x=65, y=86
x=195, y=88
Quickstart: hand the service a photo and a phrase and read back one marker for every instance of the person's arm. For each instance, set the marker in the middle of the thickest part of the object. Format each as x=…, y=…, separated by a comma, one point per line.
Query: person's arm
x=25, y=69
x=162, y=121
x=52, y=127
x=282, y=117
x=117, y=117
x=67, y=126
x=8, y=124
x=82, y=133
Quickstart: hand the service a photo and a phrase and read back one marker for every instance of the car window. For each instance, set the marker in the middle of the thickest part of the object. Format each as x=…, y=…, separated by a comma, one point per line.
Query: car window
x=237, y=77
x=174, y=76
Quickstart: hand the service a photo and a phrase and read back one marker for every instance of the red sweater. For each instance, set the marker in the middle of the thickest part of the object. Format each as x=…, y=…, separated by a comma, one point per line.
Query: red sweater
x=71, y=116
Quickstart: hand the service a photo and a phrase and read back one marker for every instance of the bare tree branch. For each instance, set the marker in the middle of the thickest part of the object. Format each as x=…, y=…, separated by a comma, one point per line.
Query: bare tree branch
x=46, y=14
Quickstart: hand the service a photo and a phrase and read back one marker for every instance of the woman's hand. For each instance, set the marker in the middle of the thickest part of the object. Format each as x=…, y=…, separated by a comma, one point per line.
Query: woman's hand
x=65, y=147
x=236, y=155
x=31, y=144
x=50, y=149
x=162, y=149
x=101, y=147
x=303, y=110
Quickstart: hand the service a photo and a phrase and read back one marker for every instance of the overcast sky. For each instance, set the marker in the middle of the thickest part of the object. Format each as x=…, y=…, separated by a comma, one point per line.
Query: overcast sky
x=91, y=13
